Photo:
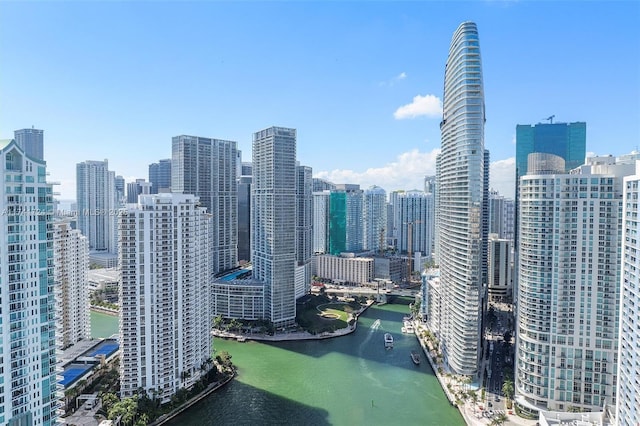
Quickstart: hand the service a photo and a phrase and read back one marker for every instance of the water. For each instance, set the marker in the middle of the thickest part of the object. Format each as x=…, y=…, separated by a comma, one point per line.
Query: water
x=349, y=380
x=103, y=325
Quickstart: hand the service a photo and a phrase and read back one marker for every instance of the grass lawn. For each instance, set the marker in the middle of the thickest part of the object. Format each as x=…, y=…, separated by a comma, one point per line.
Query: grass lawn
x=320, y=315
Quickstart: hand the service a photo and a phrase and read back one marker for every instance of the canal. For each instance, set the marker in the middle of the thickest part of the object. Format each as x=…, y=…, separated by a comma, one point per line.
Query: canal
x=349, y=380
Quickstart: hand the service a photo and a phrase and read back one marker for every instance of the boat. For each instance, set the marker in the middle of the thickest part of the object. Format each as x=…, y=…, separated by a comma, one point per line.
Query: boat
x=415, y=358
x=408, y=327
x=388, y=340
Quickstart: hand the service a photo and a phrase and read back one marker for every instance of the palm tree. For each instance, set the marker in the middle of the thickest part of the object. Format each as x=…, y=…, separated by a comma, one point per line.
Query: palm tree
x=500, y=419
x=507, y=389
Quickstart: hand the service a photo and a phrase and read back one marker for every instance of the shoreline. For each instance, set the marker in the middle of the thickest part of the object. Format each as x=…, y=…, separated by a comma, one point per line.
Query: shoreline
x=103, y=310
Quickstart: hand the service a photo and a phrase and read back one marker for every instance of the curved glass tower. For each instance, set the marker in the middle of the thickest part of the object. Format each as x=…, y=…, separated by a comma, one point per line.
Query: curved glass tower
x=461, y=190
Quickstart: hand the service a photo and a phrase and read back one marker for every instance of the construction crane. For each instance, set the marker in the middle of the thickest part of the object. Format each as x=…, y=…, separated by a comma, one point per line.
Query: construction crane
x=550, y=119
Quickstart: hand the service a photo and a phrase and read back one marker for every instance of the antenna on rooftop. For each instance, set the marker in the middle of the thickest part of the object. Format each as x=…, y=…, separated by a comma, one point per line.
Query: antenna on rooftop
x=550, y=119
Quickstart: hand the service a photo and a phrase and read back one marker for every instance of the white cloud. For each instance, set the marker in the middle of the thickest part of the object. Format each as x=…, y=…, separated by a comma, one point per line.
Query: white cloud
x=406, y=172
x=502, y=175
x=428, y=105
x=393, y=80
x=401, y=76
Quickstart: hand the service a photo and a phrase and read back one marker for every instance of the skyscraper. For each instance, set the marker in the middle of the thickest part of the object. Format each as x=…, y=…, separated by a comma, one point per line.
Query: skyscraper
x=273, y=221
x=415, y=212
x=569, y=284
x=136, y=188
x=31, y=141
x=160, y=176
x=96, y=198
x=374, y=219
x=28, y=357
x=345, y=230
x=206, y=168
x=320, y=220
x=244, y=217
x=460, y=188
x=304, y=229
x=71, y=267
x=165, y=291
x=628, y=394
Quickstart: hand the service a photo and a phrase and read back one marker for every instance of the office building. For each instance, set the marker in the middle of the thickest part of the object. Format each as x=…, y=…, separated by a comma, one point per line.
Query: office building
x=31, y=141
x=165, y=290
x=160, y=176
x=461, y=191
x=206, y=168
x=273, y=221
x=374, y=219
x=71, y=266
x=345, y=269
x=28, y=360
x=501, y=216
x=569, y=284
x=139, y=187
x=97, y=208
x=628, y=392
x=120, y=191
x=244, y=218
x=304, y=229
x=322, y=185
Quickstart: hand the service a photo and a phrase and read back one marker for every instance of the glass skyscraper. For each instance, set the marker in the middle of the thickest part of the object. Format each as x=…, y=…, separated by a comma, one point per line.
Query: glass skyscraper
x=461, y=191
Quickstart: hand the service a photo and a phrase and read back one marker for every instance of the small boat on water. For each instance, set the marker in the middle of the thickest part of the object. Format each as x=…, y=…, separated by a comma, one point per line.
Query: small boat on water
x=408, y=327
x=388, y=340
x=415, y=358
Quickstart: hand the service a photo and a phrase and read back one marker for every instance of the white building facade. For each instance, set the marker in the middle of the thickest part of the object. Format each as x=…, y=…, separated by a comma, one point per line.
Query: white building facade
x=569, y=284
x=461, y=194
x=28, y=350
x=71, y=267
x=273, y=221
x=499, y=268
x=374, y=219
x=320, y=220
x=628, y=392
x=165, y=291
x=347, y=269
x=416, y=215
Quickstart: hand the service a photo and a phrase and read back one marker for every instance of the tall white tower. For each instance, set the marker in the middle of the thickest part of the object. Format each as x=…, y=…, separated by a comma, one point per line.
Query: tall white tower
x=273, y=221
x=461, y=187
x=569, y=284
x=165, y=318
x=71, y=267
x=28, y=348
x=96, y=198
x=375, y=218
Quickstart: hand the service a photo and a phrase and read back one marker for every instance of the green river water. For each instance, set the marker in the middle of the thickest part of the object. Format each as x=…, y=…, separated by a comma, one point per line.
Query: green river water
x=350, y=380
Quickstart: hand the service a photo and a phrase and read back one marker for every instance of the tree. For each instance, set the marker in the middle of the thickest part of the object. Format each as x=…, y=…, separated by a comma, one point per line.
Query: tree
x=501, y=418
x=507, y=389
x=217, y=321
x=108, y=401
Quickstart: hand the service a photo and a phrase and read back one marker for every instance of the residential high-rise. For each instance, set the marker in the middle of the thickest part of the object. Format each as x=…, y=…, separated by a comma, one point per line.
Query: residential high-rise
x=273, y=221
x=304, y=229
x=628, y=392
x=165, y=291
x=71, y=267
x=244, y=218
x=120, y=190
x=206, y=168
x=569, y=284
x=499, y=268
x=374, y=219
x=28, y=357
x=322, y=185
x=160, y=176
x=416, y=215
x=31, y=141
x=345, y=230
x=320, y=221
x=461, y=190
x=501, y=215
x=96, y=198
x=134, y=189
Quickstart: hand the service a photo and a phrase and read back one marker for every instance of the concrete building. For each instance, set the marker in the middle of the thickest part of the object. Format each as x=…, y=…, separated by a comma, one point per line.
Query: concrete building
x=238, y=299
x=374, y=219
x=71, y=265
x=569, y=284
x=28, y=361
x=461, y=200
x=244, y=218
x=273, y=221
x=628, y=391
x=346, y=268
x=320, y=221
x=165, y=318
x=304, y=229
x=499, y=272
x=322, y=185
x=31, y=141
x=416, y=215
x=160, y=176
x=345, y=230
x=206, y=168
x=139, y=187
x=97, y=206
x=120, y=191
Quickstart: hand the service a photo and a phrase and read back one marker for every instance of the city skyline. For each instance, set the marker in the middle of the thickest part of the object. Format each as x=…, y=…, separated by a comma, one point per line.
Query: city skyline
x=111, y=89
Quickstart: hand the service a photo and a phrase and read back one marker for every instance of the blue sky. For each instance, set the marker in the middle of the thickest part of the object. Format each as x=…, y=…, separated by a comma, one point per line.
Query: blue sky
x=118, y=79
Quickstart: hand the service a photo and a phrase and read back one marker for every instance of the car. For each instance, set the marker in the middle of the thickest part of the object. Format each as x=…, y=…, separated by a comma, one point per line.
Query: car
x=497, y=399
x=489, y=404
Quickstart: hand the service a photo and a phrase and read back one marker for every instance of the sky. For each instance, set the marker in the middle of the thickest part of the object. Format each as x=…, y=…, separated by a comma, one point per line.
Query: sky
x=362, y=82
